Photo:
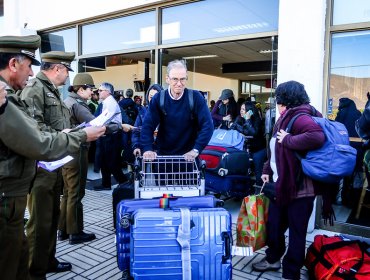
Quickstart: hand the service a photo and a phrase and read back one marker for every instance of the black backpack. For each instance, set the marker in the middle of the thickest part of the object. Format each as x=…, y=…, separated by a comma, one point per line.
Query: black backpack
x=130, y=114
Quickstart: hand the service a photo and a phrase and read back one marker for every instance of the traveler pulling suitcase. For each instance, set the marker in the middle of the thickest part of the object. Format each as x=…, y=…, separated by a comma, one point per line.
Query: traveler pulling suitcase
x=181, y=243
x=126, y=208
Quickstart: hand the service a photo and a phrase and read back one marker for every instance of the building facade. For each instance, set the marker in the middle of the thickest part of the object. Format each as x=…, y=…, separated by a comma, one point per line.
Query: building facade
x=248, y=46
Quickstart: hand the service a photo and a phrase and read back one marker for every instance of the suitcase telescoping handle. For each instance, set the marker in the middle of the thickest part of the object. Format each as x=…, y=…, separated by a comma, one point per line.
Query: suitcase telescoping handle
x=227, y=240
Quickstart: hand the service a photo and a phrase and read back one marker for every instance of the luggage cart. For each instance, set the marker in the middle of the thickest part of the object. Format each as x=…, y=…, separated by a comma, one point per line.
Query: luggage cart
x=169, y=175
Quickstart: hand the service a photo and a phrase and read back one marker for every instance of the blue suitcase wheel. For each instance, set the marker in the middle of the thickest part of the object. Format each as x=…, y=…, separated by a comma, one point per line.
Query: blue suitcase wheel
x=126, y=275
x=125, y=221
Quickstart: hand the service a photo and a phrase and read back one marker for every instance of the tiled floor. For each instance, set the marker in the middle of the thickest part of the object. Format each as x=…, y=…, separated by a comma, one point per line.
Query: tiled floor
x=97, y=259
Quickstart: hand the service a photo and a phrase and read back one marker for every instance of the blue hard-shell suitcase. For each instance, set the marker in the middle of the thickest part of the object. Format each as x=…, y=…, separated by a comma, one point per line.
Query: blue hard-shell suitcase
x=125, y=208
x=169, y=244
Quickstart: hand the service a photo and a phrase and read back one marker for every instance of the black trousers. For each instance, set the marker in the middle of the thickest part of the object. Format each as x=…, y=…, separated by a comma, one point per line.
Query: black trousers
x=110, y=147
x=294, y=216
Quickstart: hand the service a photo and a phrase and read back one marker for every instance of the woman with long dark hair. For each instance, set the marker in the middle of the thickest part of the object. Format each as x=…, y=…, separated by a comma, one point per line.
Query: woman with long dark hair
x=249, y=123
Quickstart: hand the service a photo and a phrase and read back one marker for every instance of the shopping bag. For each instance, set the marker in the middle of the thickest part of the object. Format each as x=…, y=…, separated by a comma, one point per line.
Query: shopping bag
x=251, y=224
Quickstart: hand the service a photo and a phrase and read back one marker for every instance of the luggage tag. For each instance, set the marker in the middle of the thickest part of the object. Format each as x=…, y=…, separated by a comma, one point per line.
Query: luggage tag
x=242, y=251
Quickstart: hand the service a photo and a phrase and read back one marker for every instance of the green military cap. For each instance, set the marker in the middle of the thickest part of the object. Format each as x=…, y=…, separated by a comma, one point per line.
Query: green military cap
x=83, y=79
x=59, y=57
x=26, y=45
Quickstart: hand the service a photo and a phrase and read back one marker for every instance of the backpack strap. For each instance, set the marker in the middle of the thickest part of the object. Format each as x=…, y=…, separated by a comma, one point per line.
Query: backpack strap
x=292, y=120
x=290, y=125
x=190, y=97
x=161, y=102
x=191, y=102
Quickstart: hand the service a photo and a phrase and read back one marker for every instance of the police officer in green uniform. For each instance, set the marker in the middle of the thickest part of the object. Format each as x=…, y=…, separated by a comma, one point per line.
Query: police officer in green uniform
x=49, y=110
x=21, y=144
x=75, y=172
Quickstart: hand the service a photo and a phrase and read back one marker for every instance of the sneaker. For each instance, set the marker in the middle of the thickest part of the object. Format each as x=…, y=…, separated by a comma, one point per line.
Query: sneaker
x=264, y=265
x=62, y=235
x=81, y=237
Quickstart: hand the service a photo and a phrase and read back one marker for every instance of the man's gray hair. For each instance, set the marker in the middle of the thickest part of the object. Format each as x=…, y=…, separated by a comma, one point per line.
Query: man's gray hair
x=176, y=64
x=107, y=86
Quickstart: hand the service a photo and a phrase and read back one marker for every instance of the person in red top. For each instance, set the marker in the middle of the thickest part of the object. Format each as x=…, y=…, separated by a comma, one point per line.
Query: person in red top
x=295, y=192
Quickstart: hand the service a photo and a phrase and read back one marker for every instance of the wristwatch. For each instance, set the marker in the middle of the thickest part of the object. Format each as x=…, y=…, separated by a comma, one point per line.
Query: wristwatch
x=195, y=150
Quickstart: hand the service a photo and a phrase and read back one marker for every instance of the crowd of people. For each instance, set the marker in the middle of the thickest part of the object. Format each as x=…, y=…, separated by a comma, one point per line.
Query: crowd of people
x=35, y=110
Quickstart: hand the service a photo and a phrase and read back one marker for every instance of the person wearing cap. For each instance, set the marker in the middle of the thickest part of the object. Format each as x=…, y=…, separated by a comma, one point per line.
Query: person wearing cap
x=225, y=111
x=75, y=171
x=51, y=113
x=182, y=130
x=18, y=160
x=110, y=146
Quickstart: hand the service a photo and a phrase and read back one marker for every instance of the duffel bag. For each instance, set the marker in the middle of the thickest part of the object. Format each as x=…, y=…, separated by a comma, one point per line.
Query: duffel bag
x=335, y=258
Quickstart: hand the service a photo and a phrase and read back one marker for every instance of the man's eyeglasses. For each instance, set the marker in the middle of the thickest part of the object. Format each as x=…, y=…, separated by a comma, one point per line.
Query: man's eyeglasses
x=100, y=90
x=181, y=80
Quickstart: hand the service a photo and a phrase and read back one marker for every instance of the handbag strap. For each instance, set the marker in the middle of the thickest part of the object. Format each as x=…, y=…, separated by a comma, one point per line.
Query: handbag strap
x=183, y=238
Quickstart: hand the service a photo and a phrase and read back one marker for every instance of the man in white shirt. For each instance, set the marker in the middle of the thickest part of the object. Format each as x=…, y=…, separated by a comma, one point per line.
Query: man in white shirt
x=111, y=144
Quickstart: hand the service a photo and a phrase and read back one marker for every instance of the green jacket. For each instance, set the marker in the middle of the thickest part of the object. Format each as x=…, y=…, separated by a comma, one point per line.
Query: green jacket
x=22, y=143
x=45, y=104
x=79, y=110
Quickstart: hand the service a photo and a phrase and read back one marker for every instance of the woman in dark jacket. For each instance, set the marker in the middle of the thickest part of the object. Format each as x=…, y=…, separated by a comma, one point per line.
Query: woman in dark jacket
x=225, y=110
x=250, y=124
x=152, y=90
x=294, y=190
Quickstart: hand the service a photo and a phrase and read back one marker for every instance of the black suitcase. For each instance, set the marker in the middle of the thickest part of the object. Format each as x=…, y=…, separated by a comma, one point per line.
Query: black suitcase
x=226, y=161
x=123, y=191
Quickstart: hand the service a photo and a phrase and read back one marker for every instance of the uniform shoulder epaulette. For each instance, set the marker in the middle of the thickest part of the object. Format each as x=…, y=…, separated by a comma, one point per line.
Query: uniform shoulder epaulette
x=31, y=83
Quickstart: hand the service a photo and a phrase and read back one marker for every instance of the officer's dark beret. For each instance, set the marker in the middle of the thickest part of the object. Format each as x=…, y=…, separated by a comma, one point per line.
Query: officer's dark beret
x=59, y=57
x=26, y=45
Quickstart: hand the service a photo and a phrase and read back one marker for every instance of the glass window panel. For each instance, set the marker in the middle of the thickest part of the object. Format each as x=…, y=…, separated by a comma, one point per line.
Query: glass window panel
x=119, y=34
x=64, y=40
x=354, y=11
x=350, y=69
x=218, y=18
x=1, y=24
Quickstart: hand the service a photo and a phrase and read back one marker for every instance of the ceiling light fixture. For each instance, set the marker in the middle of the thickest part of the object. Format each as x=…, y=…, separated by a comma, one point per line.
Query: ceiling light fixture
x=92, y=67
x=257, y=75
x=200, y=56
x=267, y=51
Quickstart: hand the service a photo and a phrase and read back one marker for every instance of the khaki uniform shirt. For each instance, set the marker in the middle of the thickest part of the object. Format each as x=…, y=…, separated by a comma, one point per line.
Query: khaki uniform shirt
x=22, y=143
x=46, y=104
